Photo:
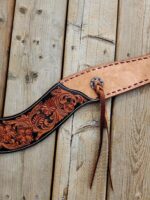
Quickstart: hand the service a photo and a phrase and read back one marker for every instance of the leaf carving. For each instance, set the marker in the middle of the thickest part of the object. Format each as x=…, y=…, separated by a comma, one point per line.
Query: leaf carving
x=41, y=119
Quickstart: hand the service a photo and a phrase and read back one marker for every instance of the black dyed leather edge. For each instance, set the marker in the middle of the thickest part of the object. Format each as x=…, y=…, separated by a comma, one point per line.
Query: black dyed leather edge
x=17, y=130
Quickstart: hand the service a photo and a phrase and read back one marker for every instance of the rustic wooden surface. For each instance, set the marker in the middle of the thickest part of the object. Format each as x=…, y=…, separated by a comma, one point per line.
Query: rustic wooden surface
x=44, y=40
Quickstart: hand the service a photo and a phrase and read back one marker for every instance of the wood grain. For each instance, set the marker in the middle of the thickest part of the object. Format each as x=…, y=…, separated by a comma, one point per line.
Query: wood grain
x=131, y=111
x=35, y=65
x=90, y=39
x=6, y=21
x=96, y=32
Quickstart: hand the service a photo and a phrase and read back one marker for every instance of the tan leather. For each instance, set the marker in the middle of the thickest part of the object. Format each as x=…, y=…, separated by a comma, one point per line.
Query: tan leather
x=119, y=77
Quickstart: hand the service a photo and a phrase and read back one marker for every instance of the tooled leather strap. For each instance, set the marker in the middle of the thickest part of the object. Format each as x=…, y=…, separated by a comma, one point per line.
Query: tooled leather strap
x=59, y=102
x=32, y=125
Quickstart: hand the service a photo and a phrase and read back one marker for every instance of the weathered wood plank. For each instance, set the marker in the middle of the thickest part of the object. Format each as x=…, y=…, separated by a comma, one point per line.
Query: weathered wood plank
x=6, y=18
x=89, y=23
x=35, y=65
x=131, y=111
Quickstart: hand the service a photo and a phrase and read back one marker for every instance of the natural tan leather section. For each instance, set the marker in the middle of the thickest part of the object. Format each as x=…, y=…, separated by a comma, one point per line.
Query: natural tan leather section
x=118, y=77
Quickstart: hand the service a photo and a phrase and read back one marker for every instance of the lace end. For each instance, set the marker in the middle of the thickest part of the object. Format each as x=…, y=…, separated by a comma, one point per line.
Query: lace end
x=97, y=85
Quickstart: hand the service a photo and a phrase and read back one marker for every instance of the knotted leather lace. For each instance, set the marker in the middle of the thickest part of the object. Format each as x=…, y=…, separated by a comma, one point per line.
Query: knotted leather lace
x=103, y=125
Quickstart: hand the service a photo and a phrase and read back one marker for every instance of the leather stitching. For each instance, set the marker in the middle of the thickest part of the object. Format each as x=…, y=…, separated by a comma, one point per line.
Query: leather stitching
x=105, y=66
x=120, y=90
x=129, y=87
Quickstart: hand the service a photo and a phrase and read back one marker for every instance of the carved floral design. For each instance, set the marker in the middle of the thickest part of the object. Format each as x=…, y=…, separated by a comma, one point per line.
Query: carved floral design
x=31, y=126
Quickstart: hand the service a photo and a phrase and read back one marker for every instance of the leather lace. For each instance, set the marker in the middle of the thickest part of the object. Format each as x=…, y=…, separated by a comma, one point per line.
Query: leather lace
x=103, y=126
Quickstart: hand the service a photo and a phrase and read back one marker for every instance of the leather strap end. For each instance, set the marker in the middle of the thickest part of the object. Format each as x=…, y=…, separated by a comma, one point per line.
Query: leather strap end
x=119, y=77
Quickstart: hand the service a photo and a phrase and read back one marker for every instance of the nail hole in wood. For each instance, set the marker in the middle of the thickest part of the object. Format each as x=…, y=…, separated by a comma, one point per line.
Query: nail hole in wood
x=23, y=41
x=23, y=10
x=1, y=20
x=7, y=196
x=18, y=37
x=31, y=76
x=40, y=56
x=72, y=47
x=128, y=54
x=36, y=42
x=23, y=198
x=105, y=51
x=39, y=12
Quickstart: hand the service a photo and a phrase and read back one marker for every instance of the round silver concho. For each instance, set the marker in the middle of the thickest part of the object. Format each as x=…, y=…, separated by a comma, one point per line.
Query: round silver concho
x=96, y=79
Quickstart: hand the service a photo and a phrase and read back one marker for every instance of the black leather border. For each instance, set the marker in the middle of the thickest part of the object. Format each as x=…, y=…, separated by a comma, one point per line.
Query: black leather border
x=89, y=100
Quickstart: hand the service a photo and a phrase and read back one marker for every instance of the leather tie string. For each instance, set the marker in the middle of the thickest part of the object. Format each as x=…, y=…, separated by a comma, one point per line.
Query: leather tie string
x=97, y=86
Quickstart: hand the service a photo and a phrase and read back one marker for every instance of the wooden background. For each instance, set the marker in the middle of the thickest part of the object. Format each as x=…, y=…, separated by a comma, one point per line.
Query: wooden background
x=42, y=41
